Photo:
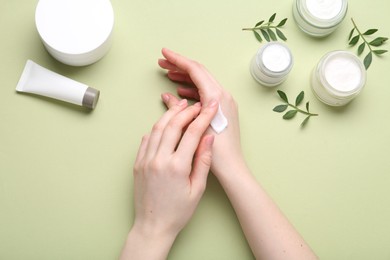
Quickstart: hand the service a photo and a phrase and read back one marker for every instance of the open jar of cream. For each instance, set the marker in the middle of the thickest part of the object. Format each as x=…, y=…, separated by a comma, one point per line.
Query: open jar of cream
x=338, y=78
x=319, y=18
x=271, y=64
x=75, y=32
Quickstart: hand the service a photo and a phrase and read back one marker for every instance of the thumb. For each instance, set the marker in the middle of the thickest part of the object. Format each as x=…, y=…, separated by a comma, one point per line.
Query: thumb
x=201, y=165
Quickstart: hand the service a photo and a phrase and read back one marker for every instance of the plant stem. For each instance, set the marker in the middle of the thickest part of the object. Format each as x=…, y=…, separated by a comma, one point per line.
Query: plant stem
x=259, y=28
x=301, y=111
x=361, y=35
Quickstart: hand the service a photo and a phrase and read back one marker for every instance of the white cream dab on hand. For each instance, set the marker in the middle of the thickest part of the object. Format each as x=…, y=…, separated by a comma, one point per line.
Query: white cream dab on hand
x=219, y=122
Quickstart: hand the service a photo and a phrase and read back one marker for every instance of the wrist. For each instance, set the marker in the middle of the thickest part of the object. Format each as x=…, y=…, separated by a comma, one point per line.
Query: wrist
x=145, y=243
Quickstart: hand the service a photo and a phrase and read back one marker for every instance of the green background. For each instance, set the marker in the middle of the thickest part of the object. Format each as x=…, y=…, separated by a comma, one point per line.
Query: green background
x=66, y=173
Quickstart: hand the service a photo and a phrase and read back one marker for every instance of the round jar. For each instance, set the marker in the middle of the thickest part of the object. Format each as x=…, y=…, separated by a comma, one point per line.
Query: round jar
x=338, y=78
x=75, y=32
x=271, y=64
x=319, y=18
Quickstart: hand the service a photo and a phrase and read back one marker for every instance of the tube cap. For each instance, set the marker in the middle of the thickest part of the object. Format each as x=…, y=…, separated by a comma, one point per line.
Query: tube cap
x=91, y=97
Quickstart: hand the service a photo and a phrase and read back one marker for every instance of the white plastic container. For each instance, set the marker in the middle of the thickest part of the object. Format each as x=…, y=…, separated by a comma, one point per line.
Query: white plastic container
x=272, y=64
x=338, y=78
x=75, y=32
x=319, y=18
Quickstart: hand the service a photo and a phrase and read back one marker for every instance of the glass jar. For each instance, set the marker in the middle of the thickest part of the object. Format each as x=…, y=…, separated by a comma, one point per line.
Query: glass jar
x=338, y=78
x=271, y=64
x=319, y=18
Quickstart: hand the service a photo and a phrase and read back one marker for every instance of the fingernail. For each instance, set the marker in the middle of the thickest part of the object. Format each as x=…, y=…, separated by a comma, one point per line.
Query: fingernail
x=197, y=104
x=210, y=140
x=213, y=103
x=165, y=97
x=182, y=102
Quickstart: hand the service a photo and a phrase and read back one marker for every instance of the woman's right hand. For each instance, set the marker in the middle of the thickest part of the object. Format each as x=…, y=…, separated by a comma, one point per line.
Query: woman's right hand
x=200, y=85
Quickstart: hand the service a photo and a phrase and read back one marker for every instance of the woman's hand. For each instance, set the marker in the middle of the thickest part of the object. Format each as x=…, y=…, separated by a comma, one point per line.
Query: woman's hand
x=200, y=85
x=170, y=175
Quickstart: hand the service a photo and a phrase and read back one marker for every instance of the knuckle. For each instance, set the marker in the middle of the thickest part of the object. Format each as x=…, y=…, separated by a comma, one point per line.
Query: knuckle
x=157, y=127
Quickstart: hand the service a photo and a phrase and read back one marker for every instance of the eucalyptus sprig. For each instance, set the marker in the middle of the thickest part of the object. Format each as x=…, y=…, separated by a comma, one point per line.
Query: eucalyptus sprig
x=353, y=40
x=265, y=29
x=291, y=113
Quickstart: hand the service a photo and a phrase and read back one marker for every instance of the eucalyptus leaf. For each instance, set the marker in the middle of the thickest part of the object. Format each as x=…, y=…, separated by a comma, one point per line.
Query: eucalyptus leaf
x=361, y=48
x=370, y=31
x=379, y=52
x=272, y=35
x=307, y=106
x=282, y=22
x=351, y=33
x=280, y=108
x=283, y=96
x=280, y=34
x=368, y=60
x=259, y=23
x=258, y=37
x=272, y=18
x=290, y=114
x=304, y=122
x=378, y=41
x=299, y=98
x=354, y=40
x=265, y=35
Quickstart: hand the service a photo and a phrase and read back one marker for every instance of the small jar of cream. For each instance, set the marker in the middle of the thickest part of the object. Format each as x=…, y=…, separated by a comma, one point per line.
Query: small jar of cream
x=338, y=78
x=271, y=64
x=75, y=32
x=319, y=18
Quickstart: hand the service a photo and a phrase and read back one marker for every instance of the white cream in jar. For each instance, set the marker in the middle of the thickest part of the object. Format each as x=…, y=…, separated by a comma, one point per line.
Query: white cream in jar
x=319, y=18
x=271, y=64
x=338, y=78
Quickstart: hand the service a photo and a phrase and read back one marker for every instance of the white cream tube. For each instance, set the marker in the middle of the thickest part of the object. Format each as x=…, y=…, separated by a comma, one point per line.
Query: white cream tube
x=38, y=80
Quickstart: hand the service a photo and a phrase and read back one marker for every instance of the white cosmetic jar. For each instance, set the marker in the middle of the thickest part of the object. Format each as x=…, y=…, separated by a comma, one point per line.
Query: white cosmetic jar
x=338, y=78
x=75, y=32
x=319, y=18
x=271, y=64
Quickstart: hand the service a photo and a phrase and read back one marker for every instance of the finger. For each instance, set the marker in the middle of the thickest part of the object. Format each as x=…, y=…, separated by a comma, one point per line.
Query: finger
x=190, y=93
x=180, y=77
x=159, y=128
x=165, y=64
x=192, y=136
x=174, y=129
x=169, y=100
x=201, y=165
x=198, y=74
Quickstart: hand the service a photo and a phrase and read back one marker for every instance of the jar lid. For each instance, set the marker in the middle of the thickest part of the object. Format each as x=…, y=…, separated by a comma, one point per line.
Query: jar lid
x=75, y=32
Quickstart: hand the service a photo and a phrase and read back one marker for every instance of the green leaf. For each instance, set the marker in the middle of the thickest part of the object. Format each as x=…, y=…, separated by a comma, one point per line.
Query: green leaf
x=378, y=41
x=259, y=23
x=354, y=40
x=282, y=22
x=307, y=106
x=299, y=98
x=361, y=48
x=379, y=52
x=280, y=34
x=350, y=34
x=305, y=121
x=370, y=31
x=272, y=18
x=283, y=96
x=258, y=37
x=272, y=35
x=280, y=108
x=290, y=114
x=265, y=34
x=368, y=60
